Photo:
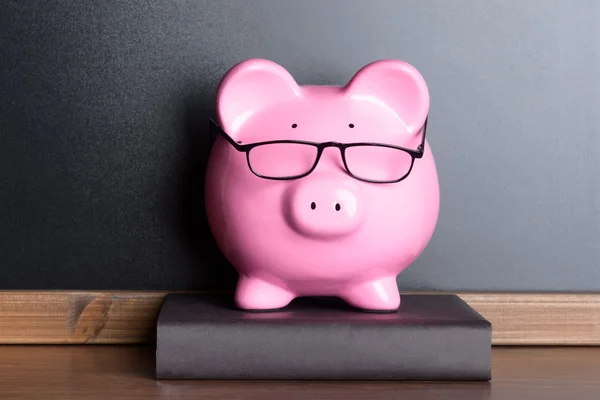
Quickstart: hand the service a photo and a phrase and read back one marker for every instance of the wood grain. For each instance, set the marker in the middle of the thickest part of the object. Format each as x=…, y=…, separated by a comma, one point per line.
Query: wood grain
x=126, y=372
x=130, y=317
x=78, y=317
x=540, y=319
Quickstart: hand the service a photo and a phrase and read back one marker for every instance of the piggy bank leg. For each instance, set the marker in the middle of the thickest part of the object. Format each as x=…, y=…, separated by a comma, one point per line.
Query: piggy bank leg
x=380, y=295
x=255, y=294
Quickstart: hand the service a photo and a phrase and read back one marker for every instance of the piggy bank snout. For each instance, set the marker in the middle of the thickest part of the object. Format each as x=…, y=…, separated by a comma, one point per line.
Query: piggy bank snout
x=325, y=208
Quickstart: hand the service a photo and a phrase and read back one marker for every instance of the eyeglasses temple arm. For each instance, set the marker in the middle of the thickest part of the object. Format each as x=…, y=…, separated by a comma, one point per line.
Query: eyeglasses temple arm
x=214, y=126
x=421, y=148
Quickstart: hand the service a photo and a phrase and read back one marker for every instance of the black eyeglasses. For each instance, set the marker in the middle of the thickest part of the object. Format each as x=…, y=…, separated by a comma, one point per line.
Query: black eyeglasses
x=294, y=159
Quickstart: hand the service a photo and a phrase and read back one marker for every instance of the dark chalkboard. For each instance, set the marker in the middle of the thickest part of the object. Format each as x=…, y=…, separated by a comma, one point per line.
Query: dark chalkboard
x=103, y=108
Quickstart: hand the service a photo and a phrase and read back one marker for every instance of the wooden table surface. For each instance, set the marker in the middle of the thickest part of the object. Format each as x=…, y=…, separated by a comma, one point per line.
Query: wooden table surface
x=120, y=372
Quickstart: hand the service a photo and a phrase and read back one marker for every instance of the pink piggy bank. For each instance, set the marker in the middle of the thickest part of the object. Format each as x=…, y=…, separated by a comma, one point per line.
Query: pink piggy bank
x=321, y=190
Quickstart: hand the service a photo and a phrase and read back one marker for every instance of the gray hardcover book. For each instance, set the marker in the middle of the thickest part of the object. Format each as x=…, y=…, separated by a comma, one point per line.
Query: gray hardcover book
x=430, y=337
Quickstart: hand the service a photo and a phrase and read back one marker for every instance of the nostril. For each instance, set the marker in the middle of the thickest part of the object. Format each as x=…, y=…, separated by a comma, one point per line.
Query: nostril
x=313, y=205
x=337, y=207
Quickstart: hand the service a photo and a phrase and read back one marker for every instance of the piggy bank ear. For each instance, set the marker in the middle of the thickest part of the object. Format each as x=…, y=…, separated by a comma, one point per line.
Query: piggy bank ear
x=395, y=85
x=251, y=86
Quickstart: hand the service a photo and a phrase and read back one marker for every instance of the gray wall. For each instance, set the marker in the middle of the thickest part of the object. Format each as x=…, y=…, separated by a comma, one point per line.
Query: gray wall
x=102, y=145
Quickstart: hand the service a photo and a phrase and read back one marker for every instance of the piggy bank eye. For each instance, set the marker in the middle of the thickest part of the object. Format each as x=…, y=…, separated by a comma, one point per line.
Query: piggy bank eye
x=351, y=125
x=294, y=125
